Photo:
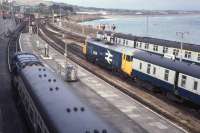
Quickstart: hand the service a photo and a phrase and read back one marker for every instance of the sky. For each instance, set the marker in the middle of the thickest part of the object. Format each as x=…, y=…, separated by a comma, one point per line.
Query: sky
x=138, y=4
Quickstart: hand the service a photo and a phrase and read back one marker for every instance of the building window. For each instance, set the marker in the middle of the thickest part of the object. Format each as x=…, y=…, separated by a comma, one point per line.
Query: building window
x=140, y=66
x=127, y=42
x=183, y=81
x=165, y=49
x=187, y=54
x=175, y=52
x=148, y=68
x=124, y=41
x=198, y=58
x=154, y=70
x=155, y=48
x=166, y=75
x=146, y=46
x=195, y=85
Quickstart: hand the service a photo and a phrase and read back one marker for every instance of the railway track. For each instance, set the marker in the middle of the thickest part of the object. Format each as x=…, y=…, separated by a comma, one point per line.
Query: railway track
x=69, y=35
x=13, y=44
x=161, y=105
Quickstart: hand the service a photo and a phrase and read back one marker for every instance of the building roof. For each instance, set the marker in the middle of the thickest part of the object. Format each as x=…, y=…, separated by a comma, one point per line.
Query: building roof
x=175, y=65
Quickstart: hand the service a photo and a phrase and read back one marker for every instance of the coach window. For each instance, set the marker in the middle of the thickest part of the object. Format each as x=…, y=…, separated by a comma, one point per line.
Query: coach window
x=166, y=75
x=187, y=54
x=175, y=52
x=165, y=49
x=136, y=45
x=183, y=81
x=148, y=68
x=140, y=66
x=195, y=85
x=198, y=58
x=154, y=70
x=140, y=44
x=124, y=41
x=155, y=48
x=146, y=46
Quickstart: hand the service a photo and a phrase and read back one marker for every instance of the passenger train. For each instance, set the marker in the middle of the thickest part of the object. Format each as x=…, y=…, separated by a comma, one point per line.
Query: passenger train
x=180, y=79
x=49, y=104
x=171, y=49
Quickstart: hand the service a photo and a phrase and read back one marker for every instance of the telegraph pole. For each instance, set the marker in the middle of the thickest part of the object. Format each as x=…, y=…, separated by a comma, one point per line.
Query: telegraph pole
x=182, y=35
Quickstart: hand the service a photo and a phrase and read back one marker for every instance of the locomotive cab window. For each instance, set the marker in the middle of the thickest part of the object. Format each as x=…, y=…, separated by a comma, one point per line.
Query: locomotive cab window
x=129, y=58
x=195, y=86
x=183, y=80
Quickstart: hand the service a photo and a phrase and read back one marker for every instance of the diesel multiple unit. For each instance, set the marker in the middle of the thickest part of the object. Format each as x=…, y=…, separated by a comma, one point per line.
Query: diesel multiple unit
x=172, y=49
x=50, y=105
x=181, y=79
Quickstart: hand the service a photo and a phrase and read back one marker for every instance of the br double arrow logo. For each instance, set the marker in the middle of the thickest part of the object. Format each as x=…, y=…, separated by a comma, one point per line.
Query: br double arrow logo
x=108, y=57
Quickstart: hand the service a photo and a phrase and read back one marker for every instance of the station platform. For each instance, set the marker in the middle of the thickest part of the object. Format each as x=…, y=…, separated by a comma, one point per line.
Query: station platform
x=123, y=112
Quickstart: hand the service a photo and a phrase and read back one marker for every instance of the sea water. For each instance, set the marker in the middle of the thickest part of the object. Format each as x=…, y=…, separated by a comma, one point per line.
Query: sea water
x=163, y=27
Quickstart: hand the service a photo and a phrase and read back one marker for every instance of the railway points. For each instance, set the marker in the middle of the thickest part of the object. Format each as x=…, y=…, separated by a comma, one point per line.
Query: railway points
x=127, y=109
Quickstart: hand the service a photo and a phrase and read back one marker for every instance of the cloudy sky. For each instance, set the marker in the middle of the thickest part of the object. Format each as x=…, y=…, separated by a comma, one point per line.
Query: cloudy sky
x=139, y=4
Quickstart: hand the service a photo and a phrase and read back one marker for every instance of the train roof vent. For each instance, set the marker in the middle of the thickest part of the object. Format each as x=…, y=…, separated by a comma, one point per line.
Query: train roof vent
x=49, y=80
x=40, y=76
x=75, y=109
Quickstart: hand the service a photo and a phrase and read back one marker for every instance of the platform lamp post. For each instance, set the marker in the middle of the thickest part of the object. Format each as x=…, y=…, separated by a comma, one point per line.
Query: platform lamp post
x=182, y=35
